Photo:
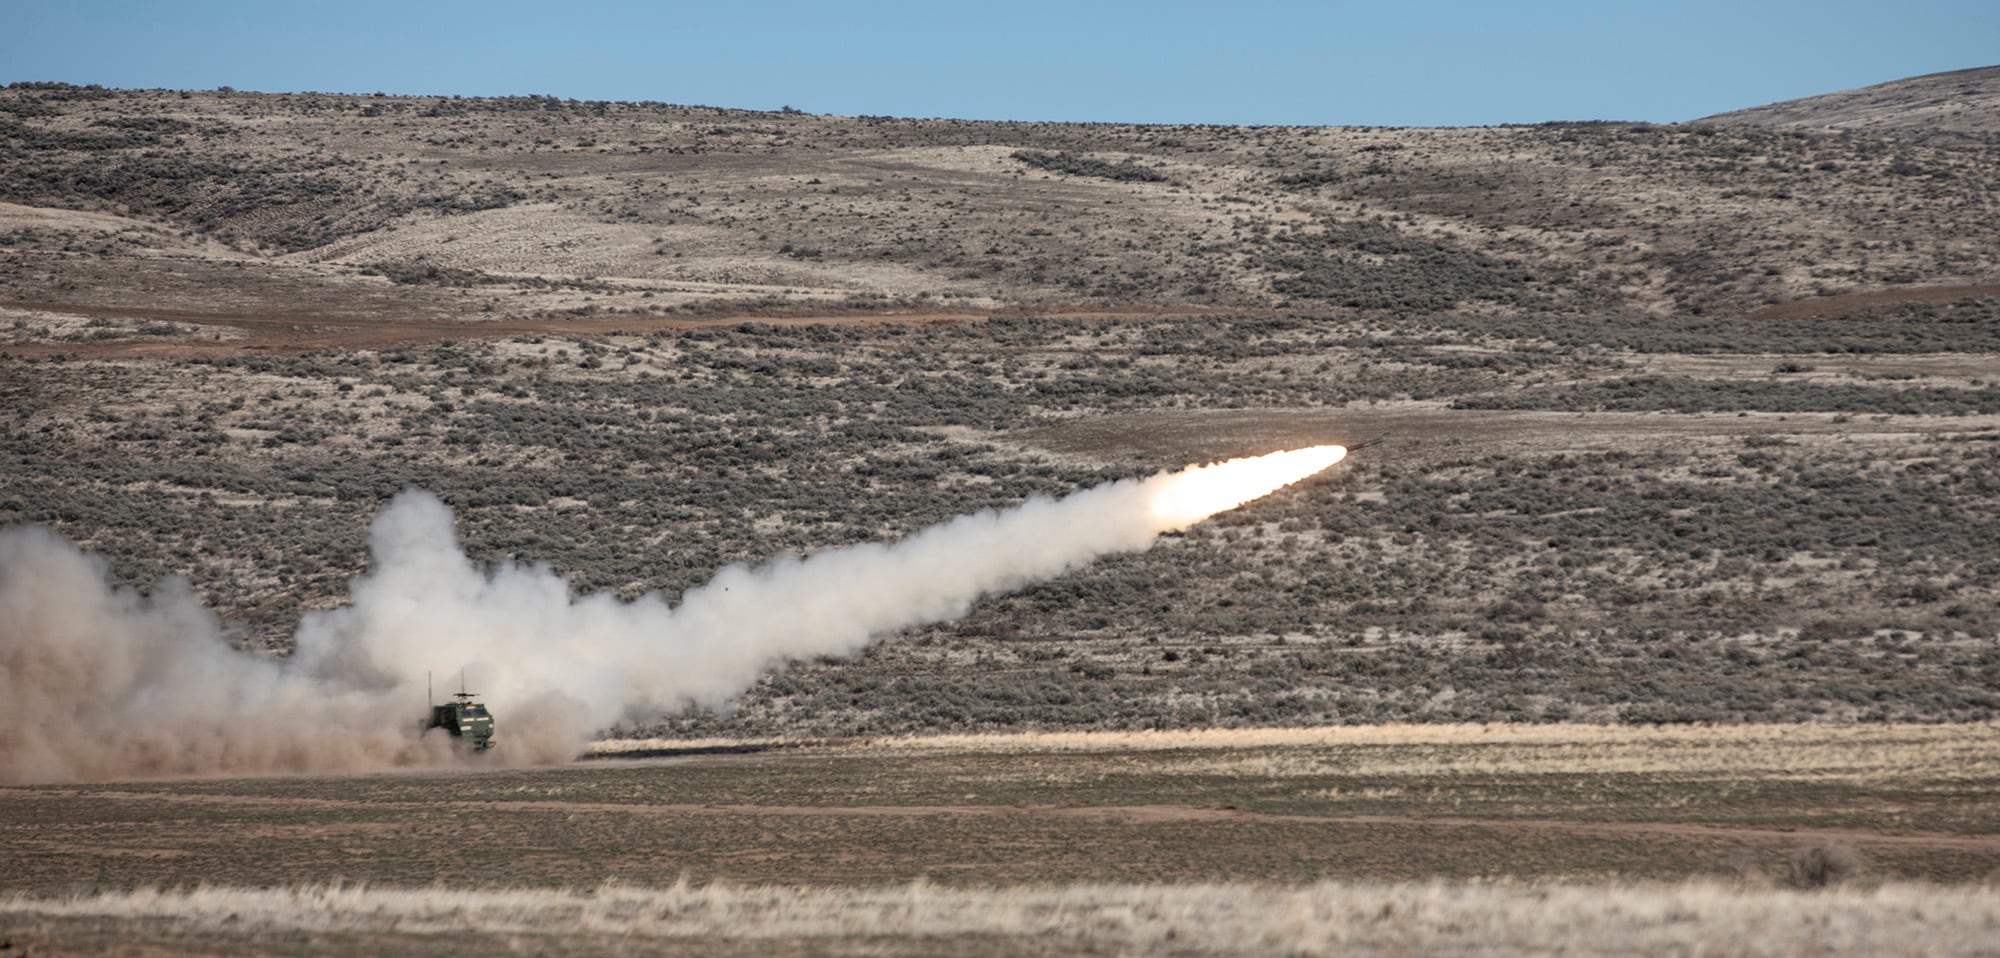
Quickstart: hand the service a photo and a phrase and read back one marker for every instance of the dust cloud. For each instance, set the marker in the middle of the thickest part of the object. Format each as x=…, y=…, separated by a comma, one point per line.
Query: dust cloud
x=106, y=683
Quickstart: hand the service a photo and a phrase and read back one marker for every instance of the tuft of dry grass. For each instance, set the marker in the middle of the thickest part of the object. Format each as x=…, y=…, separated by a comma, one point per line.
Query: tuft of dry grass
x=1823, y=865
x=1218, y=919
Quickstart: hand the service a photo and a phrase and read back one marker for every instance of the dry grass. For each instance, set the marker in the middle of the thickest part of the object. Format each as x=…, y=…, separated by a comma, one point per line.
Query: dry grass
x=1800, y=752
x=1318, y=919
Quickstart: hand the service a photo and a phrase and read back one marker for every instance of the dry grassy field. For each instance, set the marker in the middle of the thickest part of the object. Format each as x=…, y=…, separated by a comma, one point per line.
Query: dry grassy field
x=923, y=919
x=1388, y=839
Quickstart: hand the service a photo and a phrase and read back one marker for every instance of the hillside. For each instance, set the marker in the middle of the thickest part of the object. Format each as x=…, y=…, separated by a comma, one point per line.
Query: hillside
x=1687, y=422
x=522, y=207
x=1959, y=102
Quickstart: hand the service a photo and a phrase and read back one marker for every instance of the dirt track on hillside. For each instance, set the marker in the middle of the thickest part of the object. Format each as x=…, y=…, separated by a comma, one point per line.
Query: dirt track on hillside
x=1829, y=307
x=303, y=332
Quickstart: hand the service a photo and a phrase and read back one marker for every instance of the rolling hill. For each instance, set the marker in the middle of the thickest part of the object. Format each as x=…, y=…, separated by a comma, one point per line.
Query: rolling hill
x=1959, y=102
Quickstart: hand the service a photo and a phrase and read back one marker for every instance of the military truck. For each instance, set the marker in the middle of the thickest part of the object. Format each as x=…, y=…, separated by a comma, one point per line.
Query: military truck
x=465, y=719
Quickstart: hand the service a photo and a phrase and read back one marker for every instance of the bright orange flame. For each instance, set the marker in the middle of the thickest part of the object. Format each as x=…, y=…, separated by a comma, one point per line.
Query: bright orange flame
x=1197, y=492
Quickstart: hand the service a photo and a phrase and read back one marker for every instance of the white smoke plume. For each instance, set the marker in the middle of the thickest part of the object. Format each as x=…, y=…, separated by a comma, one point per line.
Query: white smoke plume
x=103, y=683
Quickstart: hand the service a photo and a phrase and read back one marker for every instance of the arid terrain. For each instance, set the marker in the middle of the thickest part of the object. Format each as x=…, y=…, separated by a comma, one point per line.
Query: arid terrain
x=1687, y=422
x=1692, y=425
x=1381, y=840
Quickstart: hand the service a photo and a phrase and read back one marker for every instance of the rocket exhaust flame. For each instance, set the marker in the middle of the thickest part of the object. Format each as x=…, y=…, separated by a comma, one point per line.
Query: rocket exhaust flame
x=1197, y=492
x=106, y=683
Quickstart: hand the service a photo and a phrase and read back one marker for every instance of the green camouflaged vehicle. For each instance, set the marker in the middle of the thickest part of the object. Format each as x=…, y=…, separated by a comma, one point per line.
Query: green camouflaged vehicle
x=465, y=719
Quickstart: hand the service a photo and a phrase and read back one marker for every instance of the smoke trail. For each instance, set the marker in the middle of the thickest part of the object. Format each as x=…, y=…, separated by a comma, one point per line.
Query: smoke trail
x=105, y=683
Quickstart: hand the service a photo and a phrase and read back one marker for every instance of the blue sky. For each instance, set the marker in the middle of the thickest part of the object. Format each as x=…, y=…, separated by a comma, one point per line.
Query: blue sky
x=1258, y=61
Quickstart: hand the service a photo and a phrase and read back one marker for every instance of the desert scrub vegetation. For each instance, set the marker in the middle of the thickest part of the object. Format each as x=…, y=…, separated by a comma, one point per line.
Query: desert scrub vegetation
x=1620, y=358
x=1687, y=394
x=1708, y=597
x=1770, y=575
x=1373, y=265
x=1970, y=325
x=1632, y=219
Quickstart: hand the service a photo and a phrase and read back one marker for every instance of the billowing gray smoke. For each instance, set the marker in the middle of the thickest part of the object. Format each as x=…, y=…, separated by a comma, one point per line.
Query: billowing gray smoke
x=103, y=683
